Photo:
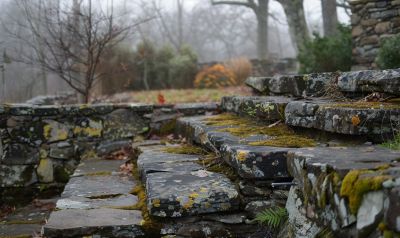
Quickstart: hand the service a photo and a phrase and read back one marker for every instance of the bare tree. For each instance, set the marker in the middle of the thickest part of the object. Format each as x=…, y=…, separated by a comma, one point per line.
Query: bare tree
x=260, y=9
x=294, y=11
x=329, y=17
x=69, y=41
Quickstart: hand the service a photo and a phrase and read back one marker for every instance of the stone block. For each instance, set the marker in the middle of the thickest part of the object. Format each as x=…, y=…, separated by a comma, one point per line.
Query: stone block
x=293, y=85
x=259, y=84
x=88, y=128
x=17, y=175
x=56, y=131
x=62, y=150
x=19, y=154
x=124, y=123
x=45, y=171
x=385, y=81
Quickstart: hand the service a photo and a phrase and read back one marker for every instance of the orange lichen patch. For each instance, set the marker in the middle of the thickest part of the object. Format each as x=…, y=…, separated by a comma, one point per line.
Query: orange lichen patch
x=355, y=120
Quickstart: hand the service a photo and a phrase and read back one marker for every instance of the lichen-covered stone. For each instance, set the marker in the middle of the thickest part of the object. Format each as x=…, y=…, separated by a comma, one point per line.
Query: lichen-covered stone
x=265, y=108
x=259, y=84
x=343, y=118
x=393, y=211
x=123, y=123
x=62, y=150
x=367, y=81
x=56, y=131
x=180, y=194
x=88, y=128
x=293, y=85
x=17, y=175
x=45, y=171
x=121, y=201
x=19, y=154
x=370, y=212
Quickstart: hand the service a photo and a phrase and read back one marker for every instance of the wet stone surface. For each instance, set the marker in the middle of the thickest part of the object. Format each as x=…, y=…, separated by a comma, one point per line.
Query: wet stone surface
x=94, y=202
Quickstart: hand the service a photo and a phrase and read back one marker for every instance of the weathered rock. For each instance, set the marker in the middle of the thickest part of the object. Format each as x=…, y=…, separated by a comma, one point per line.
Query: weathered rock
x=259, y=84
x=19, y=154
x=252, y=190
x=17, y=175
x=62, y=150
x=343, y=118
x=370, y=212
x=293, y=85
x=189, y=193
x=255, y=207
x=45, y=171
x=265, y=108
x=56, y=131
x=106, y=147
x=97, y=186
x=393, y=212
x=121, y=201
x=88, y=128
x=123, y=123
x=385, y=81
x=316, y=83
x=98, y=166
x=98, y=222
x=299, y=225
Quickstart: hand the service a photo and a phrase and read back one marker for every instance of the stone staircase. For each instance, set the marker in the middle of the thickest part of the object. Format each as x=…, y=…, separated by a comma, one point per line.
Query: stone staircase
x=290, y=147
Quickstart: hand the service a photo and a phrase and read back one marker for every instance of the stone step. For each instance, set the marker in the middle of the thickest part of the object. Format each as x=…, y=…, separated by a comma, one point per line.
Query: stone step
x=349, y=118
x=352, y=84
x=178, y=186
x=96, y=201
x=349, y=190
x=249, y=161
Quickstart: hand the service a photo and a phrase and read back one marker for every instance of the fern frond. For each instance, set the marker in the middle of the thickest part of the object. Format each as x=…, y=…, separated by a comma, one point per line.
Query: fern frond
x=272, y=217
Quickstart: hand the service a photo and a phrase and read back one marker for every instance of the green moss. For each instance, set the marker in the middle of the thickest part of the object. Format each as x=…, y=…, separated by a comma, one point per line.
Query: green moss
x=393, y=144
x=168, y=128
x=226, y=119
x=358, y=182
x=290, y=141
x=250, y=129
x=185, y=149
x=99, y=173
x=18, y=236
x=214, y=164
x=364, y=105
x=61, y=175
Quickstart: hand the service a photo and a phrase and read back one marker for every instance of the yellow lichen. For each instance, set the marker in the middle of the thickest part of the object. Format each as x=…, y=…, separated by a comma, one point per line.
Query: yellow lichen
x=99, y=173
x=88, y=131
x=226, y=119
x=185, y=149
x=241, y=155
x=156, y=202
x=355, y=120
x=252, y=128
x=292, y=141
x=358, y=182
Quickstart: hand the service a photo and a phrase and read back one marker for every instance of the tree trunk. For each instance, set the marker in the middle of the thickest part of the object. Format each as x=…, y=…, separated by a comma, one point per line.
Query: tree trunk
x=262, y=29
x=329, y=17
x=180, y=22
x=298, y=29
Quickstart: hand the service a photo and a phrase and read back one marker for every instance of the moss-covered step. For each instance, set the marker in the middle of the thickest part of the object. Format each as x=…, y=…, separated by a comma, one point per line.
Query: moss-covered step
x=350, y=190
x=292, y=85
x=178, y=186
x=254, y=150
x=262, y=107
x=352, y=118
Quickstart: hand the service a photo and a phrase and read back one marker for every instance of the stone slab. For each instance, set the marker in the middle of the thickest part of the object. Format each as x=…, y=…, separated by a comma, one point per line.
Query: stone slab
x=93, y=166
x=262, y=107
x=368, y=81
x=259, y=84
x=102, y=222
x=98, y=186
x=343, y=118
x=190, y=193
x=125, y=200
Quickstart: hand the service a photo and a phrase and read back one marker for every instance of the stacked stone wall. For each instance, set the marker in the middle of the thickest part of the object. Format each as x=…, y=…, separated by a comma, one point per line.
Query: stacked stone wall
x=40, y=146
x=372, y=21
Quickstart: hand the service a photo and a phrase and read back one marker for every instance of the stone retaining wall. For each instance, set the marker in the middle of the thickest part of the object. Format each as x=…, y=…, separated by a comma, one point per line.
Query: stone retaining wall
x=372, y=21
x=40, y=146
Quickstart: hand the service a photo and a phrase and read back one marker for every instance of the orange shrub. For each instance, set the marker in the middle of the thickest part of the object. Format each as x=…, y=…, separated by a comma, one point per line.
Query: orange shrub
x=216, y=76
x=240, y=67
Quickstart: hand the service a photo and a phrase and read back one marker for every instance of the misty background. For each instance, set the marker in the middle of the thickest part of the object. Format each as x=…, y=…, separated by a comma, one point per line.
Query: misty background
x=213, y=33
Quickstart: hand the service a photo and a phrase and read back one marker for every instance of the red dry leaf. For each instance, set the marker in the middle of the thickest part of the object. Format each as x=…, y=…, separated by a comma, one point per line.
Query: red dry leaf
x=161, y=98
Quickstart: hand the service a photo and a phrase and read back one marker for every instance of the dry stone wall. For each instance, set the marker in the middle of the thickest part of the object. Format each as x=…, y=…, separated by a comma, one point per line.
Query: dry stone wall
x=372, y=21
x=40, y=146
